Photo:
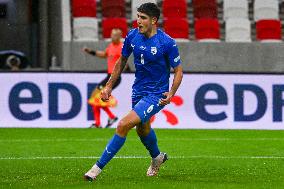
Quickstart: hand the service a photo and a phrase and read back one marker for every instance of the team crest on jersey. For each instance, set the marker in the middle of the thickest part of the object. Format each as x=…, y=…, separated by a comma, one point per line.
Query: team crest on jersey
x=154, y=50
x=142, y=47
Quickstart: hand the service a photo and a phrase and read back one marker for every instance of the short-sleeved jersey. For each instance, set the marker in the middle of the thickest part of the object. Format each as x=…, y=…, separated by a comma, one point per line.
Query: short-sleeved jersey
x=113, y=52
x=153, y=58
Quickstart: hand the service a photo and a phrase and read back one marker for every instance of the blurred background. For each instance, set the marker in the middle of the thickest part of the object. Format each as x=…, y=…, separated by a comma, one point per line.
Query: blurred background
x=213, y=35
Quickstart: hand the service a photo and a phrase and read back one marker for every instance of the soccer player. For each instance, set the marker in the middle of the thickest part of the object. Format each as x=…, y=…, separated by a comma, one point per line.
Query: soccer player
x=154, y=54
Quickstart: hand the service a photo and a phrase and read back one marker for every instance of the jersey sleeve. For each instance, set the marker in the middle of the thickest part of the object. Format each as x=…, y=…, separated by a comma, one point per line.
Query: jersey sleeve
x=126, y=48
x=173, y=54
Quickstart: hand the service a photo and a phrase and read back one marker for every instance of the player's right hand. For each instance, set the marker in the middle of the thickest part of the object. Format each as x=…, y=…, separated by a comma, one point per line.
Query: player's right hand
x=105, y=94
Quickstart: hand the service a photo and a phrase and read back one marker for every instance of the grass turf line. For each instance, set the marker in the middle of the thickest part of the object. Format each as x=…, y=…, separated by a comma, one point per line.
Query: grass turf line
x=206, y=170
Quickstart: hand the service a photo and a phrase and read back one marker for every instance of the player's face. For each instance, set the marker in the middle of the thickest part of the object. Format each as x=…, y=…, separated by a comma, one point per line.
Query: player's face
x=145, y=23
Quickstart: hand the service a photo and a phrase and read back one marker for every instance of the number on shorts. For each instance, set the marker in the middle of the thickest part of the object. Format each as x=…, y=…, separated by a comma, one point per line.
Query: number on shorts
x=150, y=109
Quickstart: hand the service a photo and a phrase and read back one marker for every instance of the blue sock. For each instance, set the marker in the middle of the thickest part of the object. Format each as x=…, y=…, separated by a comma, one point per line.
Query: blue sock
x=150, y=142
x=112, y=148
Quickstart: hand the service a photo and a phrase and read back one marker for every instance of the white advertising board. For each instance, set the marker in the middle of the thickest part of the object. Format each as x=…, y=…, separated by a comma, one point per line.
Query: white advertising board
x=204, y=101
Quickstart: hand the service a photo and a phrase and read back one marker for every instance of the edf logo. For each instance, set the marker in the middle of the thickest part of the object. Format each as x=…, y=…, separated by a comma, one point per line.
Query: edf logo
x=200, y=102
x=200, y=98
x=15, y=101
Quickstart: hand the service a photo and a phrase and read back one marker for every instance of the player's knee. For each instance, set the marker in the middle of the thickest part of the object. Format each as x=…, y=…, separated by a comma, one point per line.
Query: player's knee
x=122, y=128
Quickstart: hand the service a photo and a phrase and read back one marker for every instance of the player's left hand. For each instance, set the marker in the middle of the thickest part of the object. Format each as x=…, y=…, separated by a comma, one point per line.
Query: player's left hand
x=167, y=100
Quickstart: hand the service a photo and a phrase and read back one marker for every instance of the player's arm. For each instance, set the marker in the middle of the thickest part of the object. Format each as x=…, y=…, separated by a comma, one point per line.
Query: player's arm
x=118, y=68
x=101, y=54
x=178, y=74
x=175, y=62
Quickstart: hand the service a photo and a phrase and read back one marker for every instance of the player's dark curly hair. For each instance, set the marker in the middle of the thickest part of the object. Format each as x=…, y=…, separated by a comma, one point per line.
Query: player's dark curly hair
x=151, y=9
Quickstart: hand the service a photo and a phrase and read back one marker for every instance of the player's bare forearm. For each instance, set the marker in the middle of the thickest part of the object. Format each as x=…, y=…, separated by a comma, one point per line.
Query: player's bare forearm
x=176, y=83
x=178, y=74
x=118, y=68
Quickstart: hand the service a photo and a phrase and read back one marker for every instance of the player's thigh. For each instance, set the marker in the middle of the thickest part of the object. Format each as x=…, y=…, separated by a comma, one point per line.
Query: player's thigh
x=128, y=122
x=147, y=107
x=143, y=129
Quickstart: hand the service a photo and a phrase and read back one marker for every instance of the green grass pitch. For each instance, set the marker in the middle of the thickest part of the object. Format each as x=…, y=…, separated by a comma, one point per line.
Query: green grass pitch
x=58, y=158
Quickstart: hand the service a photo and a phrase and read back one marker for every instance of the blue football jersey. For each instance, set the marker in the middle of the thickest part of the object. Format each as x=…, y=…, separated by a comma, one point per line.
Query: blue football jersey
x=153, y=58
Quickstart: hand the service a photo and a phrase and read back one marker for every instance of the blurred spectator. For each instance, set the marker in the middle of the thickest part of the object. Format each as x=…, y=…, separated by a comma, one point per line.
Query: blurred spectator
x=13, y=63
x=13, y=60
